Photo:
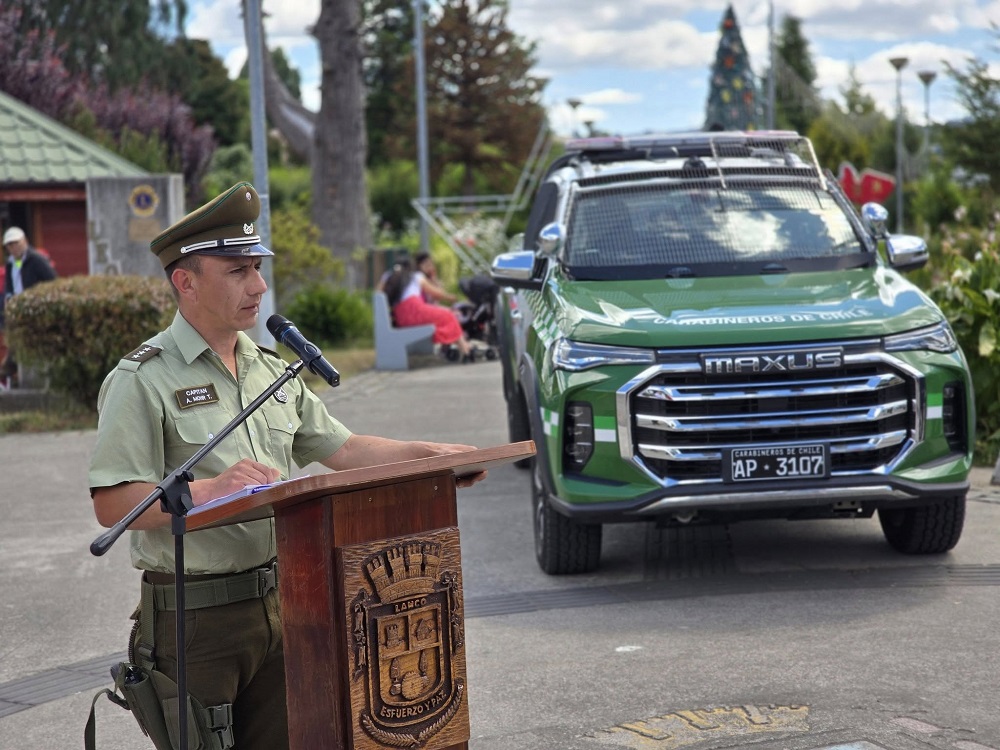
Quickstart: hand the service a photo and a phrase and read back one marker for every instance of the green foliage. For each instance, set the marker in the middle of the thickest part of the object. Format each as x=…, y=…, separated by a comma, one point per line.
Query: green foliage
x=200, y=78
x=972, y=143
x=836, y=140
x=78, y=328
x=965, y=284
x=332, y=316
x=229, y=165
x=300, y=261
x=391, y=187
x=934, y=200
x=290, y=186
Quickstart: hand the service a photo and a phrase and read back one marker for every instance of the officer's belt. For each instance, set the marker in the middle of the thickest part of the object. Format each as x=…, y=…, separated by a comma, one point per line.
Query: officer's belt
x=213, y=591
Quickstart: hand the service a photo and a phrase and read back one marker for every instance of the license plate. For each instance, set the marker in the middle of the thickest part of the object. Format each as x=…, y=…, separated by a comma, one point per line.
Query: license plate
x=776, y=462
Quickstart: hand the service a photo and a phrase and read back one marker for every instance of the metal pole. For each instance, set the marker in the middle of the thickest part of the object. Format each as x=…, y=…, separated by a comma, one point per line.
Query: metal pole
x=899, y=63
x=927, y=78
x=258, y=141
x=772, y=96
x=422, y=157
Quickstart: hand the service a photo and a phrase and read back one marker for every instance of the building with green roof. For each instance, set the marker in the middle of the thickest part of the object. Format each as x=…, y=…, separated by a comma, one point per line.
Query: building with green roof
x=64, y=191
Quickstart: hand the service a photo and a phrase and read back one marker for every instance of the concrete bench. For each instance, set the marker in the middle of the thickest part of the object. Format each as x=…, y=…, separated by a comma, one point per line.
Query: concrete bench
x=394, y=345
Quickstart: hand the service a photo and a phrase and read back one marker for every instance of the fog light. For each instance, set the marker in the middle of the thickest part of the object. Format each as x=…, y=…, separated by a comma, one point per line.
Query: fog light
x=578, y=434
x=953, y=417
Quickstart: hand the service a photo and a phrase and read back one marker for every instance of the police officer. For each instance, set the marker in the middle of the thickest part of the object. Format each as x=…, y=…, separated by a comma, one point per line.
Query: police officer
x=158, y=407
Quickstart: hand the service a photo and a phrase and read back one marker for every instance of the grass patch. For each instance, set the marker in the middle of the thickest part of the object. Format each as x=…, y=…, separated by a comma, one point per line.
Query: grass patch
x=58, y=417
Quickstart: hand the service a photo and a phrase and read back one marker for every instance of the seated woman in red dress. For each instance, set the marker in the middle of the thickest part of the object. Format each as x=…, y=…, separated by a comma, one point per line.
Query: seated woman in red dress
x=406, y=289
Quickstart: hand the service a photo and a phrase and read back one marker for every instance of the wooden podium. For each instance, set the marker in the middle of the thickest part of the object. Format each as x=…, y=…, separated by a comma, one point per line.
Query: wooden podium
x=371, y=600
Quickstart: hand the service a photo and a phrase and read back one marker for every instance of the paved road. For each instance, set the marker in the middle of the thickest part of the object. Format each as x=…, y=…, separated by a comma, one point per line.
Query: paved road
x=767, y=635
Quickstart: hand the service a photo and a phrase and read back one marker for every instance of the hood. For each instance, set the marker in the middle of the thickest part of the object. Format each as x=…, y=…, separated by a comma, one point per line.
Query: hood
x=868, y=302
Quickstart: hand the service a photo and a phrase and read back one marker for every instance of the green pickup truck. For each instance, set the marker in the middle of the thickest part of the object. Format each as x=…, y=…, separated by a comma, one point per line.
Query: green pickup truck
x=700, y=328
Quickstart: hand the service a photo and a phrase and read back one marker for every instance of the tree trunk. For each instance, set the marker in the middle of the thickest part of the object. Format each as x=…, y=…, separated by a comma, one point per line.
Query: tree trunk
x=295, y=123
x=339, y=191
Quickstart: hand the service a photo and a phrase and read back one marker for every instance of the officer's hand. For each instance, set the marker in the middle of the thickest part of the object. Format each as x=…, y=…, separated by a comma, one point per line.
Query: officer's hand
x=236, y=477
x=470, y=479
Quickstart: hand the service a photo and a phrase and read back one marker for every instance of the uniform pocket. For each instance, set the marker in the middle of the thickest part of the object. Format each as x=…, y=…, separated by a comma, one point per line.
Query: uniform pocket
x=282, y=423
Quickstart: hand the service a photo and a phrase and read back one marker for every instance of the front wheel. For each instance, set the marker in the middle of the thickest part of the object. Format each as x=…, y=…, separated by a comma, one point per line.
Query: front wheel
x=518, y=425
x=924, y=530
x=562, y=546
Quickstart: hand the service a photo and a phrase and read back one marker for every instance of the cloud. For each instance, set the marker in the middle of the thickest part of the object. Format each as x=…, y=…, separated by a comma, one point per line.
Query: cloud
x=611, y=96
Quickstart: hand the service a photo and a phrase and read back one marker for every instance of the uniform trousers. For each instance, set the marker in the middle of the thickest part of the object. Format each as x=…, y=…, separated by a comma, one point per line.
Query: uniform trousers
x=234, y=655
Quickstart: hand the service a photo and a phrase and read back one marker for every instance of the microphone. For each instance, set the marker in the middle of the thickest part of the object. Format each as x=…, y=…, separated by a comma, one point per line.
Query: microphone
x=284, y=331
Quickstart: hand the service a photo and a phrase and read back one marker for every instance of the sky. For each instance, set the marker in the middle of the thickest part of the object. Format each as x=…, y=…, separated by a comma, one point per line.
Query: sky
x=639, y=66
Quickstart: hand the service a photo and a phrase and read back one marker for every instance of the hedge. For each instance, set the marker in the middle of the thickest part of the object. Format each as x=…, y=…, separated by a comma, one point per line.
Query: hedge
x=77, y=329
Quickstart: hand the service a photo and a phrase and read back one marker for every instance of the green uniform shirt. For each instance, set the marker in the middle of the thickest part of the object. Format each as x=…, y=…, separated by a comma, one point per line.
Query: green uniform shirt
x=157, y=410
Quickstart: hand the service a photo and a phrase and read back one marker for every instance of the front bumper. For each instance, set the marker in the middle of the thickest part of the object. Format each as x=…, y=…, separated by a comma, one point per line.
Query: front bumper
x=775, y=499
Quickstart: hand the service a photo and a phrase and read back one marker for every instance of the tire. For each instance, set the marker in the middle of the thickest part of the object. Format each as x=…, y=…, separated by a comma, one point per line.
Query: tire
x=925, y=530
x=518, y=425
x=562, y=546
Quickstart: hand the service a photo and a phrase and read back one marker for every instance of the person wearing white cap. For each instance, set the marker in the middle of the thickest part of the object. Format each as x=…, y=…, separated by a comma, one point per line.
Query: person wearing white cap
x=25, y=267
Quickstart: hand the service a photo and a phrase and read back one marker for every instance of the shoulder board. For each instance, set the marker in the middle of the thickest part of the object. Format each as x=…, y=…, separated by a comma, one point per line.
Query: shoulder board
x=268, y=351
x=132, y=360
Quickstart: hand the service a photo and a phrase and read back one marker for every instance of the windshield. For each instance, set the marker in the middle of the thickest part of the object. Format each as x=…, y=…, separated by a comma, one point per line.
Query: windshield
x=670, y=226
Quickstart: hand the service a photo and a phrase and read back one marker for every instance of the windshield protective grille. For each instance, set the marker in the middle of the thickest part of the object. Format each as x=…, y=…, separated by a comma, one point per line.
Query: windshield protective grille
x=667, y=224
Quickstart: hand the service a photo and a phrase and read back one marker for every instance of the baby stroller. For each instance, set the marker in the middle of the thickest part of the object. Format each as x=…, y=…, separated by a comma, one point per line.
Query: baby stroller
x=476, y=314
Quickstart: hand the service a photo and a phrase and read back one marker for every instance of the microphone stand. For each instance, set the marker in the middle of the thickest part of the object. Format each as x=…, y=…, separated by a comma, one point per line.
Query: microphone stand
x=175, y=498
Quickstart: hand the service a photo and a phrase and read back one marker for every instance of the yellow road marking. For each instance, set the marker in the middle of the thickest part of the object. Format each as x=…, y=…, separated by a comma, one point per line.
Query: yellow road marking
x=681, y=728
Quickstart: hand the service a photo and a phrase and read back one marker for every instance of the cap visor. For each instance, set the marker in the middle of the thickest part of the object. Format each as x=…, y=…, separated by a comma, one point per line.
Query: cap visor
x=236, y=251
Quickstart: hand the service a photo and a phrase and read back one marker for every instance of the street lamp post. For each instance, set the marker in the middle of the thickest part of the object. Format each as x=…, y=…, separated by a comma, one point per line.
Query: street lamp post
x=574, y=105
x=899, y=63
x=927, y=78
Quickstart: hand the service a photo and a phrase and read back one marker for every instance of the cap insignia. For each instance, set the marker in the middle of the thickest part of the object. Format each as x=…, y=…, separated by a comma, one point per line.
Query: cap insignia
x=248, y=228
x=249, y=197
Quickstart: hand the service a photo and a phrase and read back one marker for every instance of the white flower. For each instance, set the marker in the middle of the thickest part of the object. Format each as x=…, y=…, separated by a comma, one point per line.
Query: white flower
x=961, y=276
x=991, y=295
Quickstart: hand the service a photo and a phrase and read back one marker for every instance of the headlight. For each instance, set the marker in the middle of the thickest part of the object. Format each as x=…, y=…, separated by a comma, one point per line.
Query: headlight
x=938, y=338
x=574, y=356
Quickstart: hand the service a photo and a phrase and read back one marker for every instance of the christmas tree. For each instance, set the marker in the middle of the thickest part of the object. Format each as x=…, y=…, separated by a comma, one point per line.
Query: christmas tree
x=732, y=96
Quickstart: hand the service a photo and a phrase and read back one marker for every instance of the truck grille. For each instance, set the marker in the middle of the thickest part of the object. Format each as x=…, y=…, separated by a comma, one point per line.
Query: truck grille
x=682, y=421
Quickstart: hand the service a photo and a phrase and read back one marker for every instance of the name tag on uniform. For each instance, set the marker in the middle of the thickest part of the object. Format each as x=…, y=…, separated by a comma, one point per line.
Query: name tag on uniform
x=196, y=395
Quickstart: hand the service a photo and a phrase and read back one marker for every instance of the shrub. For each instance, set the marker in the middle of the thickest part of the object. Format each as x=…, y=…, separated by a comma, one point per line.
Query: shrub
x=967, y=277
x=332, y=316
x=300, y=261
x=76, y=329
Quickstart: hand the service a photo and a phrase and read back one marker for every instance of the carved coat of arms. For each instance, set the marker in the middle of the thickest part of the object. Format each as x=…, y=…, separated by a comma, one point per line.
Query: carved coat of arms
x=406, y=641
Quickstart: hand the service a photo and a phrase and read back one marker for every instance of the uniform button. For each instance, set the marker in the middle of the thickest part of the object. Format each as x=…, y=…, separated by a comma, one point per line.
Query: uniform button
x=251, y=433
x=289, y=425
x=210, y=436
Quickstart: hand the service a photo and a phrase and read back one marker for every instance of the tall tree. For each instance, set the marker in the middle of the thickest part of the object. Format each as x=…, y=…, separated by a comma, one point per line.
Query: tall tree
x=200, y=78
x=388, y=49
x=115, y=42
x=32, y=69
x=339, y=193
x=732, y=97
x=287, y=73
x=483, y=108
x=972, y=142
x=798, y=102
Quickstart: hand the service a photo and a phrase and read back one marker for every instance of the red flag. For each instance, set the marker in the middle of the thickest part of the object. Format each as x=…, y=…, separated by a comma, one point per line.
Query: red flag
x=870, y=186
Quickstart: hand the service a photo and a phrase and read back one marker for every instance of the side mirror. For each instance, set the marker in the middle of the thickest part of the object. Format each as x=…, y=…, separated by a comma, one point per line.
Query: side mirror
x=516, y=270
x=551, y=239
x=874, y=216
x=906, y=252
